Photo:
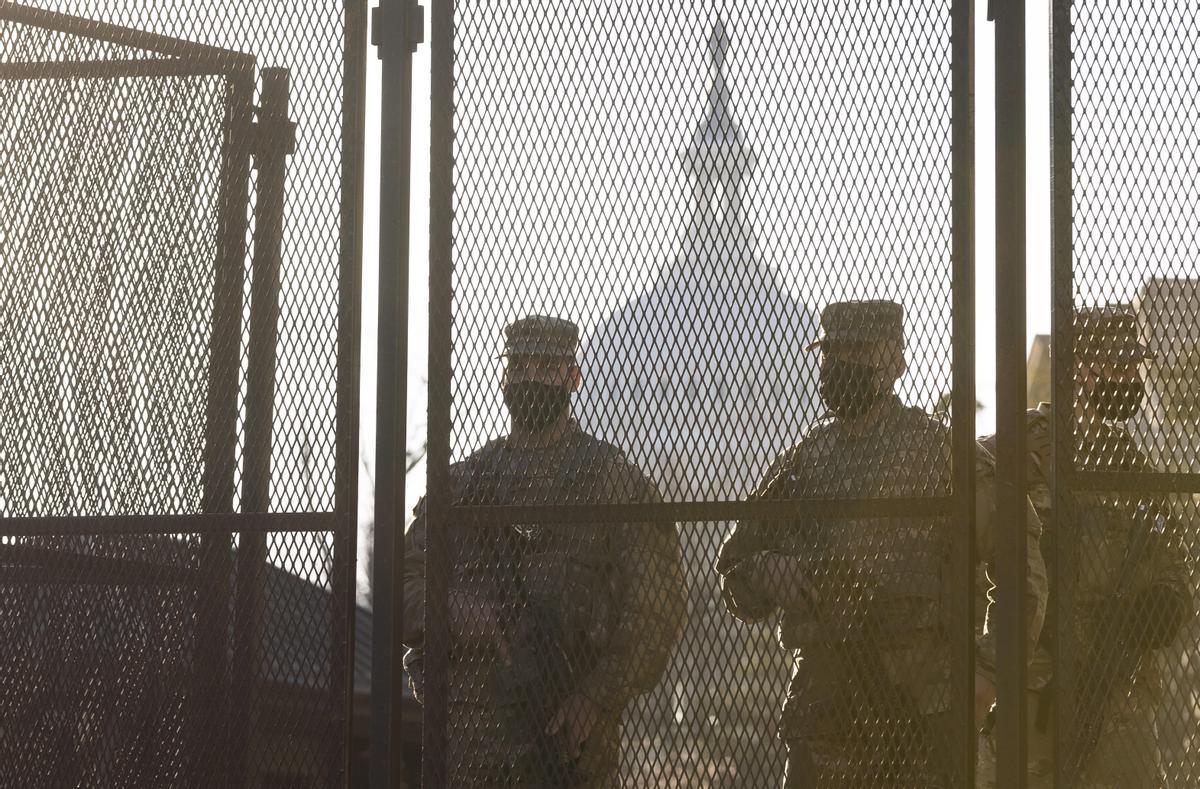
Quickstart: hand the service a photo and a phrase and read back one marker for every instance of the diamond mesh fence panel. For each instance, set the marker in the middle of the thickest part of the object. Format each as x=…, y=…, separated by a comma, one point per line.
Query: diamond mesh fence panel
x=178, y=264
x=1124, y=518
x=649, y=533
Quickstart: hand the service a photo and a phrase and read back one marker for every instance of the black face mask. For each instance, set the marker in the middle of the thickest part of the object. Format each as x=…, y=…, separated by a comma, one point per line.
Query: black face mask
x=534, y=405
x=1118, y=400
x=849, y=389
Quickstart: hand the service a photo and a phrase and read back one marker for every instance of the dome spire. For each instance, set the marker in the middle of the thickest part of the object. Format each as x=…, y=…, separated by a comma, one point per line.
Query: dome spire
x=718, y=47
x=717, y=153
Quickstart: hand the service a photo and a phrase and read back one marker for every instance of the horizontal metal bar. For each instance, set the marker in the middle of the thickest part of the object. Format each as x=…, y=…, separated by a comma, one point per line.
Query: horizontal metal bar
x=1134, y=481
x=41, y=577
x=120, y=36
x=207, y=523
x=778, y=509
x=108, y=69
x=37, y=564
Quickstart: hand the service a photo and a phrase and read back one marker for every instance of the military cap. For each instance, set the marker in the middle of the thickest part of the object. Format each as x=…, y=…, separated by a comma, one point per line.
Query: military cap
x=861, y=322
x=541, y=335
x=1108, y=334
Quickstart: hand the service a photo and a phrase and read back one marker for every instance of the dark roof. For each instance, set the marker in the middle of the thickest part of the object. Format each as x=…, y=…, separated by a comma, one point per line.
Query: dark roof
x=298, y=637
x=123, y=587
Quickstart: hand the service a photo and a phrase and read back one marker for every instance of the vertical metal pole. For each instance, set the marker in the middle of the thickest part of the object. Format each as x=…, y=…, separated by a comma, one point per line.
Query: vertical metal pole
x=963, y=398
x=1062, y=344
x=441, y=226
x=1010, y=391
x=343, y=602
x=397, y=25
x=210, y=698
x=274, y=140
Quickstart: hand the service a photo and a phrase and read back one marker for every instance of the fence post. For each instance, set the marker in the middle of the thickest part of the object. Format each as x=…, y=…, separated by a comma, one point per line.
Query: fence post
x=441, y=227
x=274, y=139
x=396, y=31
x=209, y=703
x=1010, y=391
x=964, y=396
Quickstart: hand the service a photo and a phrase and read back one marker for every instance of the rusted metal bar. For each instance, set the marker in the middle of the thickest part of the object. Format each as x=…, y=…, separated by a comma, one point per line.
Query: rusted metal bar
x=1011, y=499
x=209, y=702
x=441, y=221
x=106, y=69
x=124, y=36
x=964, y=399
x=199, y=523
x=899, y=507
x=396, y=27
x=1062, y=341
x=274, y=141
x=343, y=602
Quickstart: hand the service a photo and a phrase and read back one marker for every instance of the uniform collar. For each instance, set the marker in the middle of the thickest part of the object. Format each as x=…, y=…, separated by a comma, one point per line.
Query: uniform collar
x=879, y=414
x=568, y=435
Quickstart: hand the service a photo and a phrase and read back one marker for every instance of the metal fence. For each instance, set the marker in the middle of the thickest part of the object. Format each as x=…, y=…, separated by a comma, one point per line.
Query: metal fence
x=701, y=189
x=180, y=204
x=691, y=185
x=1125, y=234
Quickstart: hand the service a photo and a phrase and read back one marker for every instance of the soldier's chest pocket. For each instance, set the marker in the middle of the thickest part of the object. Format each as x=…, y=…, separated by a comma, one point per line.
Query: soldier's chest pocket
x=1103, y=540
x=569, y=577
x=908, y=609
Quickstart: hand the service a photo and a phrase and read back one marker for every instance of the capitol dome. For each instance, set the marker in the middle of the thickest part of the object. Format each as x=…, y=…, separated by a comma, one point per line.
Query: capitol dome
x=704, y=378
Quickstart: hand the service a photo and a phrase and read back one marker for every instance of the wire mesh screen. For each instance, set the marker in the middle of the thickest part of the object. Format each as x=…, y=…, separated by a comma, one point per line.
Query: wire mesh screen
x=1126, y=280
x=178, y=259
x=107, y=322
x=656, y=212
x=691, y=186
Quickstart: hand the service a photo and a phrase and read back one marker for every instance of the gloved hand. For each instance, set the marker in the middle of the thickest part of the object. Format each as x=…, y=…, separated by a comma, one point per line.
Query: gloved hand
x=1153, y=616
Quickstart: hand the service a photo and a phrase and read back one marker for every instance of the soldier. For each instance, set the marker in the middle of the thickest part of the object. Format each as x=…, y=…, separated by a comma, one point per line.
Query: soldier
x=865, y=604
x=554, y=627
x=1130, y=592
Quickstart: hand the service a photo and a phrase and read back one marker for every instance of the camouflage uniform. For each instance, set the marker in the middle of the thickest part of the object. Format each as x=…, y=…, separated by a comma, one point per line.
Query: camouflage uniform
x=1126, y=754
x=590, y=608
x=879, y=629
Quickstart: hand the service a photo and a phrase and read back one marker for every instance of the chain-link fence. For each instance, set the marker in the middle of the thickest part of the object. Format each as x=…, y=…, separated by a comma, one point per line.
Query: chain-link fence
x=652, y=212
x=1124, y=521
x=179, y=252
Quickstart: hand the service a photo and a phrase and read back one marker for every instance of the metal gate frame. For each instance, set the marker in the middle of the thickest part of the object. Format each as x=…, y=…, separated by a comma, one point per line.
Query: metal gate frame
x=265, y=135
x=1069, y=479
x=1011, y=495
x=440, y=511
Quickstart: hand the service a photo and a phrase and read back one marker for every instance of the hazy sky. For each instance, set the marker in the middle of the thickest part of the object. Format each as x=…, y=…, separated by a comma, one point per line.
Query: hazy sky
x=1038, y=212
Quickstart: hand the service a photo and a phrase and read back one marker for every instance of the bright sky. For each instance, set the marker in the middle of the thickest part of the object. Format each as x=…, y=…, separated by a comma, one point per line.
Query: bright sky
x=1038, y=213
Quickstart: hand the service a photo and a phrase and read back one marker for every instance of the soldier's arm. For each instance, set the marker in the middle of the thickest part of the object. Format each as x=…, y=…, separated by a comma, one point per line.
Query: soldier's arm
x=987, y=536
x=1162, y=602
x=652, y=605
x=744, y=559
x=414, y=580
x=738, y=565
x=1164, y=605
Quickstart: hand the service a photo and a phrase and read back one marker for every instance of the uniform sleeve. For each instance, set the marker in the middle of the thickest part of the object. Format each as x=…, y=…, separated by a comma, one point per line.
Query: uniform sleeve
x=1170, y=569
x=1169, y=597
x=1167, y=602
x=987, y=535
x=414, y=580
x=737, y=563
x=652, y=605
x=742, y=588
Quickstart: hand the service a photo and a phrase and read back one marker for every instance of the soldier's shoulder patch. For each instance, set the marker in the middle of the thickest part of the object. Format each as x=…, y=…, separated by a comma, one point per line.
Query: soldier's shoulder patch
x=593, y=455
x=923, y=431
x=817, y=431
x=985, y=460
x=986, y=444
x=485, y=452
